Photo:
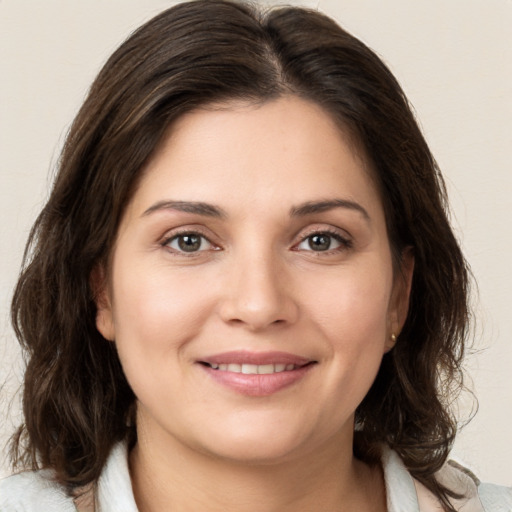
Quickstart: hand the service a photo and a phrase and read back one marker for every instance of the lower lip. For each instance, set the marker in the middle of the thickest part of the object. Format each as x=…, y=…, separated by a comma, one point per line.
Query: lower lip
x=255, y=384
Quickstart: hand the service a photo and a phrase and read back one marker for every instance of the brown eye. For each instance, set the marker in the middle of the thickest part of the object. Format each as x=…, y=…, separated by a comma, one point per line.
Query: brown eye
x=319, y=242
x=323, y=241
x=189, y=242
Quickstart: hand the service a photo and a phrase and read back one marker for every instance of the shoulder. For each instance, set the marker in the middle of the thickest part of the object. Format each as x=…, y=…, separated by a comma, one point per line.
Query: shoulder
x=476, y=496
x=33, y=491
x=404, y=493
x=37, y=491
x=495, y=498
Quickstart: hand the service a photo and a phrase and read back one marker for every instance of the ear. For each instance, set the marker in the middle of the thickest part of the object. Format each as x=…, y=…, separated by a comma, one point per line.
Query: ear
x=399, y=303
x=104, y=314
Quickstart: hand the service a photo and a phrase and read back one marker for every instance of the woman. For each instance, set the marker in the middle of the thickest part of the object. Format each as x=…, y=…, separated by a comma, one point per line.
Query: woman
x=243, y=293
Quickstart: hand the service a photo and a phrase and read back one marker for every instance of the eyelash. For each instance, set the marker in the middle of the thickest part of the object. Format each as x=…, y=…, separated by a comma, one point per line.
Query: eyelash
x=344, y=242
x=175, y=236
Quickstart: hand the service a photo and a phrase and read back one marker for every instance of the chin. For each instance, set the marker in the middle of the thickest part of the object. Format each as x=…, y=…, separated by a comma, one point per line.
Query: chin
x=255, y=455
x=253, y=448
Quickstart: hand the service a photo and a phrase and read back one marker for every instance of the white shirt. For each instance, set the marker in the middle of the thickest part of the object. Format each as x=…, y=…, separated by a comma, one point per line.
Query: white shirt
x=35, y=492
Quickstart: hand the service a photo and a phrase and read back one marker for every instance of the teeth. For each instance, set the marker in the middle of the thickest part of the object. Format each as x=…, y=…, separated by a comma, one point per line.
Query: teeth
x=249, y=368
x=253, y=369
x=266, y=368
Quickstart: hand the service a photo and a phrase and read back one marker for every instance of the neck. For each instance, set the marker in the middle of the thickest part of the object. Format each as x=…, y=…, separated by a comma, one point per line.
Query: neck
x=172, y=476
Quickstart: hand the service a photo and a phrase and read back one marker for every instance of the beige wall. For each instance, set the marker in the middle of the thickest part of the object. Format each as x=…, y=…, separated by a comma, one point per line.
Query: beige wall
x=454, y=59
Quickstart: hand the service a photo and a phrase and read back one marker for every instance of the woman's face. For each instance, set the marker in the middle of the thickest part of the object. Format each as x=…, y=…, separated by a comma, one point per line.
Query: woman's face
x=251, y=295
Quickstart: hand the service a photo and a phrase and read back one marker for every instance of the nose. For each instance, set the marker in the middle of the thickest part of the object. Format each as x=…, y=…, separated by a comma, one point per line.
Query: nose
x=258, y=293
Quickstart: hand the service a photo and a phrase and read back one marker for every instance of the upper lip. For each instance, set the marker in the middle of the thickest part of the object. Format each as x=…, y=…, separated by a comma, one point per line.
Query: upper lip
x=257, y=358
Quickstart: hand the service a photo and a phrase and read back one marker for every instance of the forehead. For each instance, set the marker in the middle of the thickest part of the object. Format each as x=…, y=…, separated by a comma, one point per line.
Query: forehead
x=287, y=150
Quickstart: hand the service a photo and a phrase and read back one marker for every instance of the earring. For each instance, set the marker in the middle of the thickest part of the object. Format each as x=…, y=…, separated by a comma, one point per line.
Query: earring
x=393, y=337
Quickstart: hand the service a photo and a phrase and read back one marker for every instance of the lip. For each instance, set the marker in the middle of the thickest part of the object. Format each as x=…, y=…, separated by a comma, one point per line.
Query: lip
x=257, y=385
x=244, y=356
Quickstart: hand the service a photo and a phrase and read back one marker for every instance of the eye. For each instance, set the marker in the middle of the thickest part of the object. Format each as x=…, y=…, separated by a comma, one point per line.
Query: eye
x=189, y=243
x=322, y=242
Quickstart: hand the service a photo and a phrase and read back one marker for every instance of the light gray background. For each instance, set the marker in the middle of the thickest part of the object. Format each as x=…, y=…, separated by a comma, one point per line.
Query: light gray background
x=454, y=60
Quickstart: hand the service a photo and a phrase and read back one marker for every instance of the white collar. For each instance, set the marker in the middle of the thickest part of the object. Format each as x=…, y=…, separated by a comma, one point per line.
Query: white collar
x=114, y=490
x=401, y=492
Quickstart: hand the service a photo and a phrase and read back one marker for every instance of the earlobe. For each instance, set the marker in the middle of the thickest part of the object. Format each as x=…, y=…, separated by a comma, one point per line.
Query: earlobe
x=104, y=315
x=105, y=323
x=390, y=342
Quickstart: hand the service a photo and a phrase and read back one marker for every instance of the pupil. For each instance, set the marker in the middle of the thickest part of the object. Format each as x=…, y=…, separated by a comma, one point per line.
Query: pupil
x=189, y=243
x=320, y=242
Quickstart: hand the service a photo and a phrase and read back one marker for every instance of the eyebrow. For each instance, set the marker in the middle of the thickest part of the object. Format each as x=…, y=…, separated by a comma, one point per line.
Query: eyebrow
x=210, y=210
x=196, y=207
x=313, y=207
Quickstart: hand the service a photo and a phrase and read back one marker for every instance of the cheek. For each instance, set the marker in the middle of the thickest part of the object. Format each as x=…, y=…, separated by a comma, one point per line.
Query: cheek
x=351, y=313
x=156, y=313
x=352, y=302
x=156, y=316
x=153, y=297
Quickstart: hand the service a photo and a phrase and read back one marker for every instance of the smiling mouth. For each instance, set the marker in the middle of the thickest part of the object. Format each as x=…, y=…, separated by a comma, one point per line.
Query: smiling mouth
x=255, y=369
x=257, y=374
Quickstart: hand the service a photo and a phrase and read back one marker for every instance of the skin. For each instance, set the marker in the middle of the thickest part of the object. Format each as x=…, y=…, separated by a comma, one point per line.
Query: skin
x=254, y=284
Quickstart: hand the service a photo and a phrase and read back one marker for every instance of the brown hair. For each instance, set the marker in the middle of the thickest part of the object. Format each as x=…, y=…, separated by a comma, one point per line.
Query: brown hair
x=77, y=402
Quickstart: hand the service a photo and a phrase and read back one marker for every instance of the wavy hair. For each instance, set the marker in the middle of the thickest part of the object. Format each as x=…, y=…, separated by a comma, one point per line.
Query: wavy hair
x=77, y=403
